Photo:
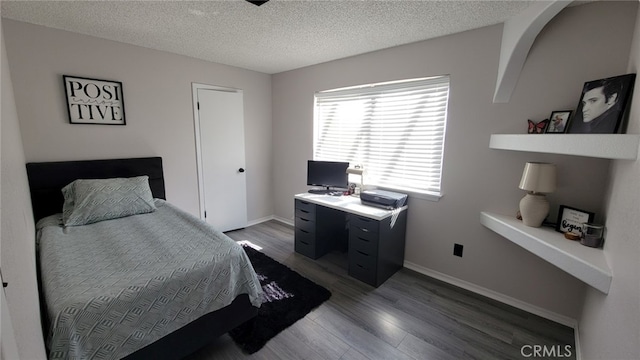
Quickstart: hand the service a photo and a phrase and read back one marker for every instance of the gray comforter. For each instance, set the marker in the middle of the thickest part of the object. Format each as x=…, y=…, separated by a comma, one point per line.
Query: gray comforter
x=118, y=285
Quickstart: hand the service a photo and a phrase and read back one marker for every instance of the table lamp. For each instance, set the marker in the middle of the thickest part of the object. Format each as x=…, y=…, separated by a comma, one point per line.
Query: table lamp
x=537, y=179
x=357, y=170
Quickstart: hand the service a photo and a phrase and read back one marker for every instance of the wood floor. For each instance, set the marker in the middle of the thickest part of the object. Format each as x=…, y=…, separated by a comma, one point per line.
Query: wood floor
x=410, y=316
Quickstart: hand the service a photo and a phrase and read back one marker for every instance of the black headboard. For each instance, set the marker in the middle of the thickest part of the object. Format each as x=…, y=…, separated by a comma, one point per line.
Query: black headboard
x=46, y=179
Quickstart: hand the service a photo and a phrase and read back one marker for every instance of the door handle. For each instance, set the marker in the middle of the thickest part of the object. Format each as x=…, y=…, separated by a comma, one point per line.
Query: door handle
x=241, y=170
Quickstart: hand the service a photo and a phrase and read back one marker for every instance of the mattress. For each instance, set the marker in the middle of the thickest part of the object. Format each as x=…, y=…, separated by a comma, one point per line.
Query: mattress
x=115, y=286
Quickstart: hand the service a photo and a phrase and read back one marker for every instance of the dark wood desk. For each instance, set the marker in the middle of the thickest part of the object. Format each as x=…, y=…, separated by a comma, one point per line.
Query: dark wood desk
x=373, y=237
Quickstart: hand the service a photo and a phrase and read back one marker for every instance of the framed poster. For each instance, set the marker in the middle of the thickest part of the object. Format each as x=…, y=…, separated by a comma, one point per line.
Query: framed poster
x=571, y=220
x=603, y=105
x=94, y=101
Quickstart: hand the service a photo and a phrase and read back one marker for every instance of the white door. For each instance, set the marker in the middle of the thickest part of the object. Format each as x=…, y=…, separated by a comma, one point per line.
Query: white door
x=221, y=157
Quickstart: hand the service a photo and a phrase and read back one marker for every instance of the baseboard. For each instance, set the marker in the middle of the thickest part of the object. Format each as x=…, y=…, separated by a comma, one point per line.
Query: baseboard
x=261, y=220
x=283, y=220
x=536, y=310
x=269, y=218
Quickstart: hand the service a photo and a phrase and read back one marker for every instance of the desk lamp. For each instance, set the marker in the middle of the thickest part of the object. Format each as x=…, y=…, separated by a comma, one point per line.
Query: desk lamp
x=357, y=170
x=537, y=179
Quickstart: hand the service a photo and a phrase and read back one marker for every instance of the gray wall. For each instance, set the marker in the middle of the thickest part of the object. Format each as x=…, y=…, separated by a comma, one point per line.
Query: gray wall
x=476, y=178
x=158, y=105
x=610, y=324
x=18, y=230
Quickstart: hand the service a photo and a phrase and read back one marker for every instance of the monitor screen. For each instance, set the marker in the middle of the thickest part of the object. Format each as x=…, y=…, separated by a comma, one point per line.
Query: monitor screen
x=327, y=174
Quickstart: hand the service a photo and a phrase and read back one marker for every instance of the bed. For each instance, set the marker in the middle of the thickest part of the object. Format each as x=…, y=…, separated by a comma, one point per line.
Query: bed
x=130, y=304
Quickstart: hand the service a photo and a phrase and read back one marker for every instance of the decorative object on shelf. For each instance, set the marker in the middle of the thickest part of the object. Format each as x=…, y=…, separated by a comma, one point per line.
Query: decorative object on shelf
x=94, y=101
x=571, y=219
x=592, y=235
x=537, y=128
x=357, y=170
x=572, y=236
x=603, y=106
x=558, y=122
x=537, y=179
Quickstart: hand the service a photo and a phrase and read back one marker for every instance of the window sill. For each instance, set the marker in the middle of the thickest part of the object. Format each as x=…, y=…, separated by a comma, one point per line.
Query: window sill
x=412, y=194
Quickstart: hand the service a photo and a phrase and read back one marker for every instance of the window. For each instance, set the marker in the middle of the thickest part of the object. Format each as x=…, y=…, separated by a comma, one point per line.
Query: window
x=395, y=130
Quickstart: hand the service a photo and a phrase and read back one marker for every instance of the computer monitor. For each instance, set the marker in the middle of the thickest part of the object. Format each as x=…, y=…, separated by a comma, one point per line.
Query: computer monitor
x=328, y=174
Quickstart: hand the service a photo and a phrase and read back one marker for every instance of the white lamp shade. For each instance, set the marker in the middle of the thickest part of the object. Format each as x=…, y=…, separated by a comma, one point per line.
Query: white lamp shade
x=538, y=177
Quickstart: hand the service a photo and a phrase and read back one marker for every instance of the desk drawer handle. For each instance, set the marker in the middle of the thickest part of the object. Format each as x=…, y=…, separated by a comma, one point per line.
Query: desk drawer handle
x=304, y=231
x=303, y=219
x=363, y=229
x=304, y=211
x=365, y=254
x=363, y=239
x=360, y=266
x=304, y=242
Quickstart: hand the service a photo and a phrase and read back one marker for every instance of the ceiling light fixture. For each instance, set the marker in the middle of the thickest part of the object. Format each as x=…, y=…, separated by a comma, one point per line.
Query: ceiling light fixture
x=257, y=3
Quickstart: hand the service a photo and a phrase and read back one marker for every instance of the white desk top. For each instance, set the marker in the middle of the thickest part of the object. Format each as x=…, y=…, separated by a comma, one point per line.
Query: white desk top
x=350, y=204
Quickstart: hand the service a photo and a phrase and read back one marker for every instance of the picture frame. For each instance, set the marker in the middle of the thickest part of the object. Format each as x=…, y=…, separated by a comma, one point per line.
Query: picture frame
x=94, y=101
x=571, y=219
x=558, y=121
x=603, y=105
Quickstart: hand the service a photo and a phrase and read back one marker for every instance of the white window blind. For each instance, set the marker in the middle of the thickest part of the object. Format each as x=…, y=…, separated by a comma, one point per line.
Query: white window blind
x=396, y=130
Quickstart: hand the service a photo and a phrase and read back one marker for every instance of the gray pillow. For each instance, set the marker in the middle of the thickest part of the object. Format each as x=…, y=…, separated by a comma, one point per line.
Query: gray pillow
x=89, y=201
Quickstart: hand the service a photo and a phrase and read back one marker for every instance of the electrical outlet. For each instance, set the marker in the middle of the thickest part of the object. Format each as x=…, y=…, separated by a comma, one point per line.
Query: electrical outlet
x=457, y=249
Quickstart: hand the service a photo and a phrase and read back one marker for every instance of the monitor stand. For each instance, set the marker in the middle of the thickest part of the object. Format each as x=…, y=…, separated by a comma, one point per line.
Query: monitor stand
x=321, y=191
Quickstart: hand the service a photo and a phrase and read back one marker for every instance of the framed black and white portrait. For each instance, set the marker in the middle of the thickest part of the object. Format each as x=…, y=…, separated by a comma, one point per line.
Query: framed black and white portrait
x=94, y=101
x=603, y=105
x=558, y=122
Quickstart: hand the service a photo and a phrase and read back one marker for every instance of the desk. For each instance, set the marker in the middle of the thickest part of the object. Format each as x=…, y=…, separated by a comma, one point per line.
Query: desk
x=373, y=237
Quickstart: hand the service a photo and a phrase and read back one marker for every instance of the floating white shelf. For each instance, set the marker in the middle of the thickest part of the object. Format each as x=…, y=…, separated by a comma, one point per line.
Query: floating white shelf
x=585, y=263
x=607, y=146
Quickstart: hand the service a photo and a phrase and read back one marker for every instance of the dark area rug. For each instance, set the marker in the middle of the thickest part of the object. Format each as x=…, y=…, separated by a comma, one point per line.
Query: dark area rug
x=287, y=298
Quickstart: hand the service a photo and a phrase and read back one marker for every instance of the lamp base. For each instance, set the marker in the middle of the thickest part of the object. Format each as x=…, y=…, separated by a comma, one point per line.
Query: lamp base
x=534, y=208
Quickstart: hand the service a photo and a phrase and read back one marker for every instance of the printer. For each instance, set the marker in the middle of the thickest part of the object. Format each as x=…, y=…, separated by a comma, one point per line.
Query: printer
x=383, y=199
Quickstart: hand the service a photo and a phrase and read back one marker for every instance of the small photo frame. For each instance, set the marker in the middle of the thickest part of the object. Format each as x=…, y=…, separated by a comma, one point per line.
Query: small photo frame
x=571, y=219
x=94, y=101
x=603, y=105
x=558, y=122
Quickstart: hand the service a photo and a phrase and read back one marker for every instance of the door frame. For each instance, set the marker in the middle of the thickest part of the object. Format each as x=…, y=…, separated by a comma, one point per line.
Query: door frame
x=196, y=122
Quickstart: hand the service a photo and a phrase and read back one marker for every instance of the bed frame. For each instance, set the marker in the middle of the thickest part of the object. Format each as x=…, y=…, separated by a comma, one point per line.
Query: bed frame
x=46, y=180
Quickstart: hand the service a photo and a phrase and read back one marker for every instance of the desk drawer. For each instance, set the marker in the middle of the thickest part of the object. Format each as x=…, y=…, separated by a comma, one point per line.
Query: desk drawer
x=305, y=224
x=363, y=234
x=305, y=214
x=363, y=223
x=362, y=267
x=363, y=241
x=305, y=243
x=307, y=207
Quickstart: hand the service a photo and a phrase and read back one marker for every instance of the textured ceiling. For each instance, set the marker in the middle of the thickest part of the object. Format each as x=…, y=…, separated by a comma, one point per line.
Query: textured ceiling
x=278, y=36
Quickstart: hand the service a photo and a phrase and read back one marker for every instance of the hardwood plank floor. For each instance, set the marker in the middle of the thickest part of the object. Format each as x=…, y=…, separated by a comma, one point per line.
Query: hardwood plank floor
x=410, y=316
